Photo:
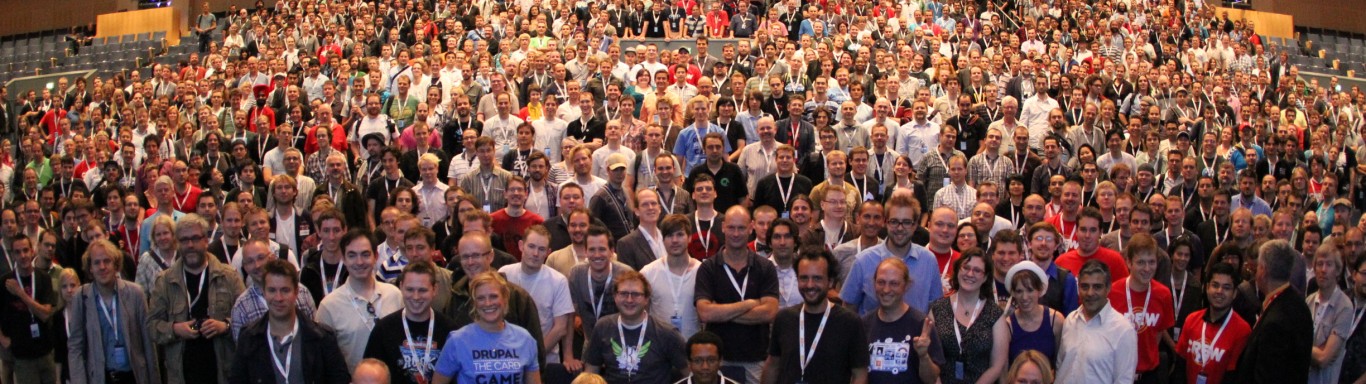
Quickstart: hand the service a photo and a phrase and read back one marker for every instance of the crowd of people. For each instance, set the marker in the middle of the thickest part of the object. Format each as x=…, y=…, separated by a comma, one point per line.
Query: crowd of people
x=917, y=191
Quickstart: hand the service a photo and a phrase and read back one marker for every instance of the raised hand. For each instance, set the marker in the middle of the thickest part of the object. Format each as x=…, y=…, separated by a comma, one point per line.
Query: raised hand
x=922, y=343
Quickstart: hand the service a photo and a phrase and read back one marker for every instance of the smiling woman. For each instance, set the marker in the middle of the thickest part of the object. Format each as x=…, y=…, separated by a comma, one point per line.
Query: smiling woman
x=490, y=349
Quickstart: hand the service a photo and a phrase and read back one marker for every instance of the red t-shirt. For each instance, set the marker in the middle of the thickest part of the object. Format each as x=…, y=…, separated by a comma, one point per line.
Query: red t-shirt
x=188, y=202
x=1073, y=262
x=1219, y=358
x=1150, y=316
x=945, y=261
x=1068, y=229
x=513, y=229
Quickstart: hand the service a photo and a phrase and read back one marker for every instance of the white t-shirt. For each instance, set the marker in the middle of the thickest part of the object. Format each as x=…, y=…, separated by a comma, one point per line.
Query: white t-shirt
x=672, y=295
x=550, y=290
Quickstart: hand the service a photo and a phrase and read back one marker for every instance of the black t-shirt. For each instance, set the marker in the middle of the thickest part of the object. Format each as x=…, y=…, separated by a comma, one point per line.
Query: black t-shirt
x=731, y=187
x=381, y=190
x=660, y=358
x=843, y=345
x=891, y=348
x=389, y=344
x=768, y=191
x=17, y=321
x=745, y=342
x=200, y=361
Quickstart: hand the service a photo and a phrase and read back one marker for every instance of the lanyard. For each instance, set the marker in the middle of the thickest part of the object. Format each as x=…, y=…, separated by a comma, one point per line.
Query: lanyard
x=1180, y=297
x=421, y=365
x=785, y=192
x=132, y=240
x=706, y=240
x=668, y=205
x=289, y=356
x=640, y=340
x=200, y=294
x=676, y=283
x=322, y=269
x=804, y=354
x=958, y=334
x=1129, y=299
x=109, y=315
x=486, y=183
x=1212, y=342
x=597, y=307
x=843, y=226
x=739, y=287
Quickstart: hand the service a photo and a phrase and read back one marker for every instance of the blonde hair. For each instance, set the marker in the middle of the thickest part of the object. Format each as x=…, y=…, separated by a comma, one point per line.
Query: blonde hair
x=108, y=247
x=487, y=278
x=588, y=378
x=1030, y=356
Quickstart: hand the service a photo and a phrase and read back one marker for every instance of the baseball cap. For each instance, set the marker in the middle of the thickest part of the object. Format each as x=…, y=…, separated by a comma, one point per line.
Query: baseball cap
x=616, y=160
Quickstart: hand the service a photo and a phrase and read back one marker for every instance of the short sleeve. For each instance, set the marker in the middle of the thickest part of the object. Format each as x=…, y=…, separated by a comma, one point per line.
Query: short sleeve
x=769, y=275
x=852, y=292
x=592, y=348
x=702, y=286
x=449, y=364
x=562, y=304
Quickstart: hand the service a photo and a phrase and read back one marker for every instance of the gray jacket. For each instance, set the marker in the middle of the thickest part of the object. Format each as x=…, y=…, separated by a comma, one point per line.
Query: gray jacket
x=169, y=305
x=85, y=350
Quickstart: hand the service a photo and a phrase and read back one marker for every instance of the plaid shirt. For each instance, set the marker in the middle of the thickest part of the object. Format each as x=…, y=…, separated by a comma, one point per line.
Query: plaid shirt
x=982, y=169
x=251, y=306
x=959, y=197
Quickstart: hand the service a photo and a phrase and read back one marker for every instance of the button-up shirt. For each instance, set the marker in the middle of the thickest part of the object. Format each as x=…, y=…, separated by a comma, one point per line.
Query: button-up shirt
x=251, y=306
x=1255, y=204
x=1103, y=349
x=433, y=197
x=923, y=266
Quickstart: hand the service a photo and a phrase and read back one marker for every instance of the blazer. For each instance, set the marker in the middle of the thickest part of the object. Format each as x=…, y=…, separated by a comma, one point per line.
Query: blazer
x=634, y=250
x=169, y=305
x=1278, y=349
x=85, y=351
x=323, y=361
x=806, y=135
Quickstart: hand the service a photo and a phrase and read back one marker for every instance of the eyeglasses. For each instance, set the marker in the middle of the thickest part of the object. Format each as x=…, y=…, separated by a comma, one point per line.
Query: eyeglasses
x=630, y=295
x=191, y=239
x=1044, y=238
x=900, y=223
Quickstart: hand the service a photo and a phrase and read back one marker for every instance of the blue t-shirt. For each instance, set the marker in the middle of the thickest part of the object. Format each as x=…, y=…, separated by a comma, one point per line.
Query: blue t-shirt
x=473, y=355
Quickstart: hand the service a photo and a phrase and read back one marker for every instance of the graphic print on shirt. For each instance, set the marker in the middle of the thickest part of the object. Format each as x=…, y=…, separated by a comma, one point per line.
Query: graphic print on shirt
x=1204, y=353
x=1141, y=319
x=413, y=365
x=628, y=358
x=497, y=366
x=890, y=356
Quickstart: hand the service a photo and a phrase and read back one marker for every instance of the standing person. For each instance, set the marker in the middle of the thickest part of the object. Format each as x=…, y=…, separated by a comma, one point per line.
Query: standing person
x=487, y=184
x=1213, y=338
x=1098, y=344
x=250, y=305
x=399, y=340
x=1012, y=335
x=970, y=358
x=353, y=308
x=737, y=296
x=326, y=260
x=430, y=191
x=590, y=283
x=1333, y=312
x=284, y=335
x=844, y=358
x=895, y=327
x=196, y=342
x=861, y=294
x=491, y=349
x=777, y=190
x=1155, y=315
x=673, y=278
x=109, y=344
x=475, y=255
x=1280, y=345
x=645, y=243
x=632, y=346
x=1086, y=231
x=612, y=202
x=550, y=290
x=25, y=326
x=511, y=222
x=704, y=360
